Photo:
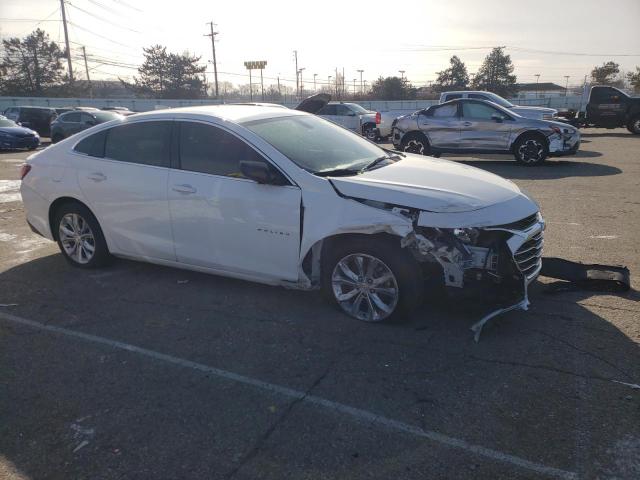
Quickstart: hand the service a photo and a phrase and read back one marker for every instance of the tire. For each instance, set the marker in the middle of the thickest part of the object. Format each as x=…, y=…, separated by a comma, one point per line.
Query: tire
x=74, y=223
x=380, y=258
x=634, y=125
x=57, y=138
x=369, y=131
x=415, y=142
x=531, y=150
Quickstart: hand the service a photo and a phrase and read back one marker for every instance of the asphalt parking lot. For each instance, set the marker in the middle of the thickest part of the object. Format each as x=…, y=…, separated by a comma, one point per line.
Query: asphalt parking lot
x=139, y=371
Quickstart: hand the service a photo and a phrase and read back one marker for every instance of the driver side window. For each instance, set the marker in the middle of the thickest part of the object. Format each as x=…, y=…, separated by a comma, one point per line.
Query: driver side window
x=480, y=111
x=208, y=149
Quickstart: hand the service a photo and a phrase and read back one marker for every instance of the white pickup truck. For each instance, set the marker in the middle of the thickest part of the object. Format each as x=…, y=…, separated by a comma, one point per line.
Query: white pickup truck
x=537, y=113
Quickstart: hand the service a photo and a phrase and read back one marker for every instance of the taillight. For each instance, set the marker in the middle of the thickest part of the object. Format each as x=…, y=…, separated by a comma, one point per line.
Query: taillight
x=378, y=118
x=25, y=168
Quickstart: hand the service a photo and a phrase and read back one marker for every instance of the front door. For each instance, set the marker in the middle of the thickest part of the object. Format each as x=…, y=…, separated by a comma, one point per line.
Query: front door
x=606, y=107
x=484, y=127
x=225, y=221
x=442, y=126
x=125, y=182
x=348, y=118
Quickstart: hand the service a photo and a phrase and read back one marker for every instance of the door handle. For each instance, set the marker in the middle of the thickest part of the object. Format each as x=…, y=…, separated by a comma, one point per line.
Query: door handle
x=184, y=188
x=467, y=124
x=97, y=177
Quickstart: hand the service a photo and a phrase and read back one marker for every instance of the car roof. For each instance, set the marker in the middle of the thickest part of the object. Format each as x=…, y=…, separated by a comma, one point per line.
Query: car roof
x=31, y=107
x=234, y=113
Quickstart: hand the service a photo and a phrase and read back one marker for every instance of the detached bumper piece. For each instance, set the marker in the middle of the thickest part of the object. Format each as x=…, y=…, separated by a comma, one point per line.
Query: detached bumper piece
x=607, y=278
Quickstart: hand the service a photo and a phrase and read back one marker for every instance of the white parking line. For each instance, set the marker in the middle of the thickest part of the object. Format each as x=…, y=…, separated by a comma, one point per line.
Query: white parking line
x=356, y=413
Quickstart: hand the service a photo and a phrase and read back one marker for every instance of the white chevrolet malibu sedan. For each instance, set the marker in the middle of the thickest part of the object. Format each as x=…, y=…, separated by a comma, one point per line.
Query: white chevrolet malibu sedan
x=286, y=198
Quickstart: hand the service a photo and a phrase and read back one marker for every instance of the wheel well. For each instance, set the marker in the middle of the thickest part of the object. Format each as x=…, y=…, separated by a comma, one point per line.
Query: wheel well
x=312, y=262
x=53, y=208
x=415, y=134
x=368, y=124
x=530, y=133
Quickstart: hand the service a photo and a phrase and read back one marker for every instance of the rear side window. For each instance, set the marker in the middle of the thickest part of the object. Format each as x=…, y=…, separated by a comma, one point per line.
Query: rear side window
x=208, y=149
x=478, y=96
x=93, y=145
x=145, y=143
x=452, y=96
x=328, y=110
x=73, y=117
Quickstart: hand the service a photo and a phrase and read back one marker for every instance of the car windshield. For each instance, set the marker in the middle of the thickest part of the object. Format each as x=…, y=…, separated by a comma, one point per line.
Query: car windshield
x=5, y=122
x=499, y=100
x=106, y=116
x=316, y=145
x=357, y=108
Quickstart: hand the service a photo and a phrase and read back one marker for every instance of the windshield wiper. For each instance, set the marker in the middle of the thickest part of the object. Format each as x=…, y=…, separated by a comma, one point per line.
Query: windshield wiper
x=379, y=160
x=338, y=172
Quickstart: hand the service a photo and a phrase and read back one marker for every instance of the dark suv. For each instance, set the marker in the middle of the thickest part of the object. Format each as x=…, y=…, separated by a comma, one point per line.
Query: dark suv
x=35, y=118
x=77, y=120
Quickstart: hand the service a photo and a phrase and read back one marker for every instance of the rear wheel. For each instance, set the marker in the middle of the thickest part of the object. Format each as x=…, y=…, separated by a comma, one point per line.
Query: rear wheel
x=369, y=131
x=634, y=125
x=531, y=150
x=80, y=237
x=415, y=142
x=372, y=279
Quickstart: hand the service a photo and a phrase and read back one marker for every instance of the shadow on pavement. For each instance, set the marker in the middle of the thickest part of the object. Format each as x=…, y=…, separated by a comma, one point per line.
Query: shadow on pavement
x=553, y=168
x=538, y=385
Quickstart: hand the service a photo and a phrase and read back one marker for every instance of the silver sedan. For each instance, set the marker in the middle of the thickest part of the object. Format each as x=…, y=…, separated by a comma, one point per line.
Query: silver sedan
x=479, y=126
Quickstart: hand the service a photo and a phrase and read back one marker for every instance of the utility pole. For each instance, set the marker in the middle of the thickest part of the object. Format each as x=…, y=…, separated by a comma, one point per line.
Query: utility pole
x=354, y=87
x=337, y=83
x=329, y=82
x=279, y=92
x=314, y=81
x=361, y=89
x=66, y=39
x=261, y=84
x=86, y=69
x=402, y=75
x=537, y=75
x=213, y=48
x=295, y=54
x=566, y=85
x=301, y=83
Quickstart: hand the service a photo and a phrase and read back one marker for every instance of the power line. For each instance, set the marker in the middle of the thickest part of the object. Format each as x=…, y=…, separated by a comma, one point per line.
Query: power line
x=86, y=12
x=96, y=34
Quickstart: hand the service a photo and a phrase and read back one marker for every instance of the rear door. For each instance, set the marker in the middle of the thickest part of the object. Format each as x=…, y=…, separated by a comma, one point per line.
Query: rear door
x=225, y=221
x=124, y=178
x=484, y=127
x=441, y=125
x=71, y=123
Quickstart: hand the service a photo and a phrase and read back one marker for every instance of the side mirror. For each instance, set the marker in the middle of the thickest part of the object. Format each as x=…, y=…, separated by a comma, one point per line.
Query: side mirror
x=258, y=172
x=90, y=122
x=497, y=118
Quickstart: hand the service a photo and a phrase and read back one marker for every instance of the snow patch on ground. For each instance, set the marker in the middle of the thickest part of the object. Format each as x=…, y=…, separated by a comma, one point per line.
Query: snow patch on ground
x=10, y=191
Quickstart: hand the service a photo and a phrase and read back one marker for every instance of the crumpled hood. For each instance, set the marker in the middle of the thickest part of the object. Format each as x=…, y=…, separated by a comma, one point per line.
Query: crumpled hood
x=429, y=184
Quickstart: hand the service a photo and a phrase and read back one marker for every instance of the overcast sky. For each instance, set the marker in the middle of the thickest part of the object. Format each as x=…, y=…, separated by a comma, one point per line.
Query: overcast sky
x=380, y=37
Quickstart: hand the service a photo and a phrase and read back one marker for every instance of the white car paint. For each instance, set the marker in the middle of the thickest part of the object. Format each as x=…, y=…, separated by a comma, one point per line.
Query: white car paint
x=537, y=113
x=239, y=228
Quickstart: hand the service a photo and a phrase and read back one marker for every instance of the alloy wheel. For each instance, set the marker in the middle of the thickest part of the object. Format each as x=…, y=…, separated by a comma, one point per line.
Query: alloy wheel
x=77, y=238
x=531, y=151
x=414, y=146
x=365, y=287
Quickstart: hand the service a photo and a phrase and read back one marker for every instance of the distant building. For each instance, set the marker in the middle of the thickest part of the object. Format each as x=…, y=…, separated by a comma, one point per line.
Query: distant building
x=539, y=90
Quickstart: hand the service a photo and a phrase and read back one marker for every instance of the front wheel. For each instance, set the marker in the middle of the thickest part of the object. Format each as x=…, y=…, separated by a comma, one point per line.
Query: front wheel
x=531, y=150
x=372, y=279
x=415, y=143
x=80, y=237
x=634, y=125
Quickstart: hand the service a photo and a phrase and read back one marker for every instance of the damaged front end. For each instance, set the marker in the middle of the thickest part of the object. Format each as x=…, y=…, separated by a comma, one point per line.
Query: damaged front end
x=496, y=263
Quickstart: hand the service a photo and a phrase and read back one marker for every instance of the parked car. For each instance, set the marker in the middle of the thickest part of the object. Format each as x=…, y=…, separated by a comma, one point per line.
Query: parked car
x=36, y=118
x=61, y=110
x=286, y=198
x=354, y=117
x=75, y=121
x=609, y=107
x=14, y=136
x=479, y=126
x=121, y=110
x=539, y=113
